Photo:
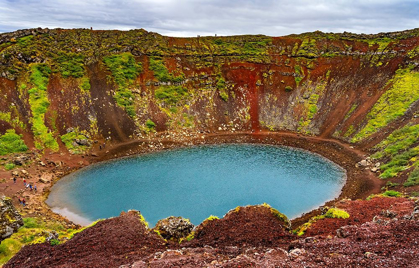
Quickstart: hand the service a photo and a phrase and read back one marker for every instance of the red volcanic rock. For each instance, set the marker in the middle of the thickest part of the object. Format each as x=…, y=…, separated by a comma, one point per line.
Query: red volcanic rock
x=109, y=243
x=250, y=226
x=385, y=234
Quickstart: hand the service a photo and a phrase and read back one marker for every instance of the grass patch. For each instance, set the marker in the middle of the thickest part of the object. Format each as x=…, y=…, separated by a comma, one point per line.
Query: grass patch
x=413, y=178
x=11, y=142
x=392, y=193
x=71, y=64
x=171, y=95
x=392, y=104
x=38, y=100
x=397, y=148
x=335, y=213
x=399, y=163
x=162, y=73
x=85, y=83
x=124, y=70
x=9, y=166
x=33, y=231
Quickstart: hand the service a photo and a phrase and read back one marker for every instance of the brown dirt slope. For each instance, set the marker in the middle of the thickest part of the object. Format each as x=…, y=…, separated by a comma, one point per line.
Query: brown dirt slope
x=383, y=232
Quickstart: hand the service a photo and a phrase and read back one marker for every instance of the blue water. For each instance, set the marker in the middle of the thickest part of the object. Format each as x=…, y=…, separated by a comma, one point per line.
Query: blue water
x=198, y=182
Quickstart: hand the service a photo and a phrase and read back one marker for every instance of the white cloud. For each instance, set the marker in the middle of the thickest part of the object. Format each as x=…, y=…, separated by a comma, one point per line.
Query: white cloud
x=193, y=17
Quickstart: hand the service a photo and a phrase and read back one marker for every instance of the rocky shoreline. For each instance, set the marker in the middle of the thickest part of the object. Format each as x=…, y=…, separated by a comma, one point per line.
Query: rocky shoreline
x=49, y=169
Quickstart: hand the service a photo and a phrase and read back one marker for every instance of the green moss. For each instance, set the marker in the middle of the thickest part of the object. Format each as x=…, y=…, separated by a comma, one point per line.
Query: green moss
x=11, y=142
x=308, y=48
x=392, y=104
x=150, y=124
x=399, y=163
x=279, y=215
x=299, y=74
x=413, y=178
x=38, y=100
x=25, y=41
x=398, y=150
x=124, y=70
x=9, y=166
x=336, y=213
x=143, y=221
x=33, y=231
x=392, y=193
x=171, y=95
x=353, y=107
x=212, y=218
x=71, y=64
x=85, y=83
x=162, y=73
x=69, y=141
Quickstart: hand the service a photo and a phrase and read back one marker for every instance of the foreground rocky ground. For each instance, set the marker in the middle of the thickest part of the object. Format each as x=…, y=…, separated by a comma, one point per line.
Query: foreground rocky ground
x=381, y=232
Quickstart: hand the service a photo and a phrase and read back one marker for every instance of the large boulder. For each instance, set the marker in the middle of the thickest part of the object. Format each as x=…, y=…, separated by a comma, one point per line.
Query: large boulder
x=10, y=219
x=174, y=228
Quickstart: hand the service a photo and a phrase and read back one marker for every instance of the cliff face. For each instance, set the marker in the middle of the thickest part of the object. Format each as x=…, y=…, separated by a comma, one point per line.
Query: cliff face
x=64, y=89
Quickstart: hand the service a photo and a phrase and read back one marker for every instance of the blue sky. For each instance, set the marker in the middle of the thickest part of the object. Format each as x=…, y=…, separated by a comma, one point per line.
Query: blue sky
x=222, y=17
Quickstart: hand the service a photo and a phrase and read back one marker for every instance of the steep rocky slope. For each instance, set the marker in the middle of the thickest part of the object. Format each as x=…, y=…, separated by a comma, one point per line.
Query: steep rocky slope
x=64, y=89
x=74, y=97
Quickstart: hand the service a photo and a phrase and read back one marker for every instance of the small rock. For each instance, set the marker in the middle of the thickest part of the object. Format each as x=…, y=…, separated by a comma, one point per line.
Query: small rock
x=297, y=252
x=363, y=163
x=43, y=180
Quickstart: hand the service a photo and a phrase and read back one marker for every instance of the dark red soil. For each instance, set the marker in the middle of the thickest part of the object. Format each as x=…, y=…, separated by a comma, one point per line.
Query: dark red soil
x=250, y=237
x=239, y=228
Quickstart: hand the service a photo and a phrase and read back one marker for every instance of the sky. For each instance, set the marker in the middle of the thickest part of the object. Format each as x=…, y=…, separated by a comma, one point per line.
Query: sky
x=221, y=17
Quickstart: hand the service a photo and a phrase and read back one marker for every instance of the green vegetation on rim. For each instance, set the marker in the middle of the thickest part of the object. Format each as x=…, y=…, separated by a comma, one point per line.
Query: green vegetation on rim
x=124, y=70
x=392, y=104
x=401, y=150
x=413, y=178
x=11, y=142
x=32, y=232
x=71, y=64
x=333, y=213
x=38, y=99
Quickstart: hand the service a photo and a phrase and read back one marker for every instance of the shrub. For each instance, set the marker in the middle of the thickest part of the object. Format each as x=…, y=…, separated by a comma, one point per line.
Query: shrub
x=54, y=242
x=150, y=124
x=9, y=166
x=11, y=142
x=336, y=213
x=288, y=88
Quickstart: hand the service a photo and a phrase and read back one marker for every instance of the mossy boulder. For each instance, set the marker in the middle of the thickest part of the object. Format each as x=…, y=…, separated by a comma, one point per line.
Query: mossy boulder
x=174, y=228
x=10, y=219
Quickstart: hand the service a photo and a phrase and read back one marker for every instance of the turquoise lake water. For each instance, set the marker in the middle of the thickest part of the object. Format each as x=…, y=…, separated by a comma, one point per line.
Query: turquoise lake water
x=198, y=182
